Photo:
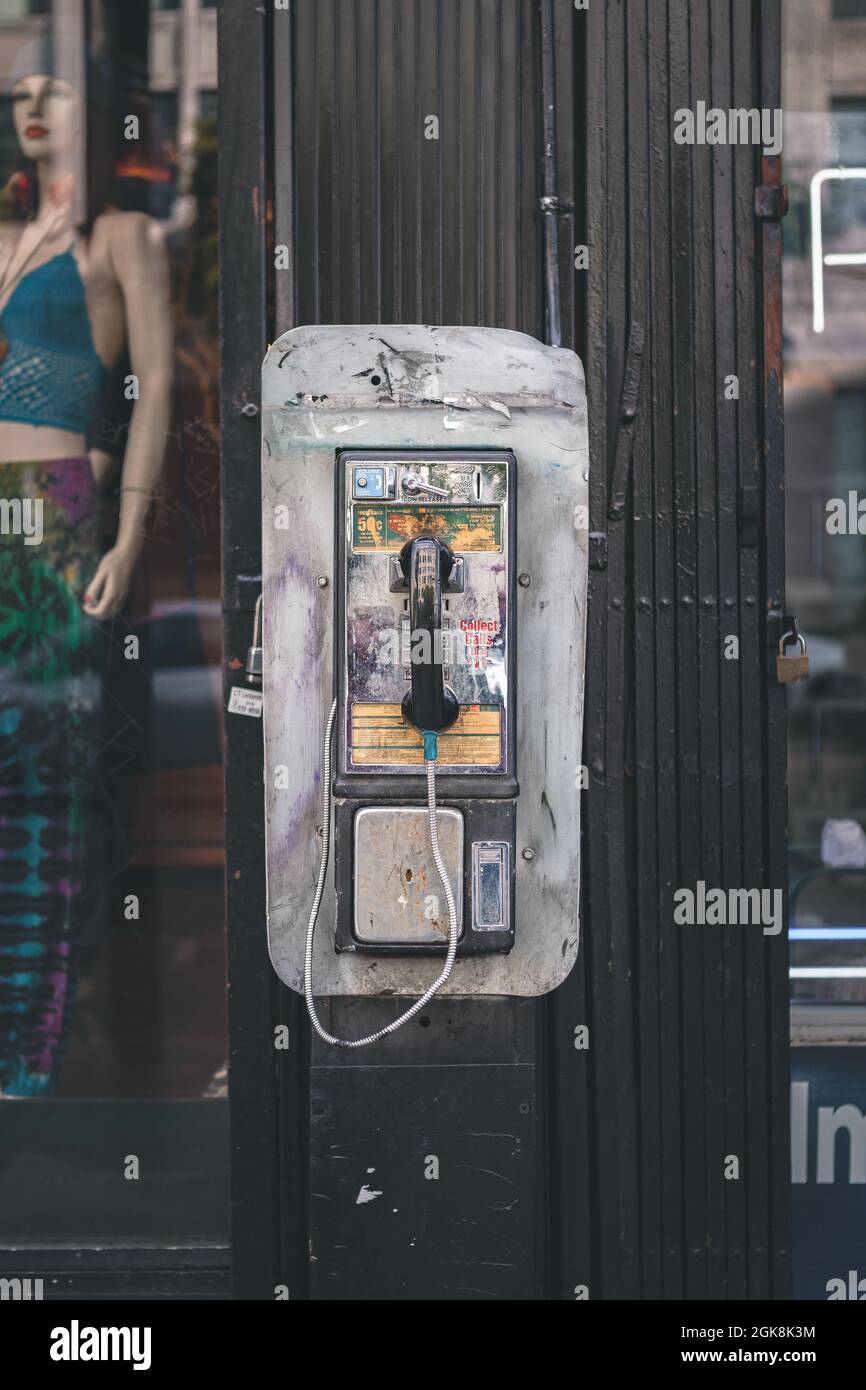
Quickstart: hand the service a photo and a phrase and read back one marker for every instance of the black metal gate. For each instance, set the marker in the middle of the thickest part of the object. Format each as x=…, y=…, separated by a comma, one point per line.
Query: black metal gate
x=444, y=162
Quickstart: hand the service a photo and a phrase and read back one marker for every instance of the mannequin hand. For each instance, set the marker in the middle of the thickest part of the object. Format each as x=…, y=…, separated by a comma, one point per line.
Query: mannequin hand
x=109, y=586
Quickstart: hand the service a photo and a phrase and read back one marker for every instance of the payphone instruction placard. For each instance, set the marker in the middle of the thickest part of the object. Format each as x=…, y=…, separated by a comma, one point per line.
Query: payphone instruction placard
x=381, y=736
x=465, y=529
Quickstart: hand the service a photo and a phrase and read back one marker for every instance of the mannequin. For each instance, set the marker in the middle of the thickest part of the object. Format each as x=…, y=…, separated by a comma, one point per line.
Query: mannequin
x=74, y=293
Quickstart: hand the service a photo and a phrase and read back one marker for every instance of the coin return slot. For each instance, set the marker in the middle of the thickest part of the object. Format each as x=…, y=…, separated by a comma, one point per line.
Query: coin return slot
x=490, y=885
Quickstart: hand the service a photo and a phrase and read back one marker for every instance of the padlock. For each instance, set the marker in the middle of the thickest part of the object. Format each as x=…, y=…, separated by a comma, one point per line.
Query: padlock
x=792, y=668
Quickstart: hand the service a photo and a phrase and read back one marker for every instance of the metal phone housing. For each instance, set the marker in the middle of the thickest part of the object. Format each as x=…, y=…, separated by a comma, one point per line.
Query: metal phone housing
x=407, y=403
x=385, y=498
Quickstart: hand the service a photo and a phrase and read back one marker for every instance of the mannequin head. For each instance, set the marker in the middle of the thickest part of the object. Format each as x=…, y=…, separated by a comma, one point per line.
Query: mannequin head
x=63, y=144
x=47, y=116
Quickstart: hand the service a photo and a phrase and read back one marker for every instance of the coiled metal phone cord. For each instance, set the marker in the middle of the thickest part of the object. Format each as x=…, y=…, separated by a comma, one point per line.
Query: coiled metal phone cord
x=429, y=742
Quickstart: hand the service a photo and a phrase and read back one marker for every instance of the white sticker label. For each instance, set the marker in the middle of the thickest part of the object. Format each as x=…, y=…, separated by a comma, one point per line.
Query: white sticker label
x=243, y=701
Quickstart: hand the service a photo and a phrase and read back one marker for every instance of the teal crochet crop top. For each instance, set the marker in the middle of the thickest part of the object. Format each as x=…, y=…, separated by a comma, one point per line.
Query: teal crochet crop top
x=51, y=373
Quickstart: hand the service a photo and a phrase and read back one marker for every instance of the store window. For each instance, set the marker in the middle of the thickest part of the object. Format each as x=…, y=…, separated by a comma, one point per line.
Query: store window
x=824, y=98
x=112, y=960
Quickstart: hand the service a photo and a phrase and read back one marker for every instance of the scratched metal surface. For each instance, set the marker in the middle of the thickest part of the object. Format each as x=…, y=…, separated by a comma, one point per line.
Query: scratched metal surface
x=328, y=387
x=422, y=1182
x=411, y=906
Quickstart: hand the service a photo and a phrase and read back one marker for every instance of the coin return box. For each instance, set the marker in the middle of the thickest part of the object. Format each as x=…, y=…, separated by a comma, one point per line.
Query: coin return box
x=389, y=897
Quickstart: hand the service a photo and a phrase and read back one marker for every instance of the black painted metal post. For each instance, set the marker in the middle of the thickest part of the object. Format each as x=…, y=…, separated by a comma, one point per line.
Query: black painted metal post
x=687, y=1057
x=256, y=1157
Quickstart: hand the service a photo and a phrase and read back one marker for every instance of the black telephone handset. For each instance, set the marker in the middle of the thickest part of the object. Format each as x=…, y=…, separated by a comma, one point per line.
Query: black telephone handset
x=427, y=563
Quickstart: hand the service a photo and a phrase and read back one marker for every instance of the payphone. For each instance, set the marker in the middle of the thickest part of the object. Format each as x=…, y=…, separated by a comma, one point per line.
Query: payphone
x=425, y=537
x=424, y=615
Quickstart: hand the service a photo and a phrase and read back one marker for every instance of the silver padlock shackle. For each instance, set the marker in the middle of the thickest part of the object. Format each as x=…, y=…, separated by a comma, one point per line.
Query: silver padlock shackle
x=795, y=635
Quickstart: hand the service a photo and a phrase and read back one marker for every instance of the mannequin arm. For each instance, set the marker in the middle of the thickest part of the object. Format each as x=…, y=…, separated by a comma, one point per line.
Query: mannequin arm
x=139, y=259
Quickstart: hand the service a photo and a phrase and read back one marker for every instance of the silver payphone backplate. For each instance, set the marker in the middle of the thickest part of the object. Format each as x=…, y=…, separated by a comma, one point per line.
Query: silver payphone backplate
x=459, y=392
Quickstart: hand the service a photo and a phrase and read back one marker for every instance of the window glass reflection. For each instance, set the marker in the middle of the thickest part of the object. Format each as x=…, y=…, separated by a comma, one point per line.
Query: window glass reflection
x=112, y=970
x=824, y=96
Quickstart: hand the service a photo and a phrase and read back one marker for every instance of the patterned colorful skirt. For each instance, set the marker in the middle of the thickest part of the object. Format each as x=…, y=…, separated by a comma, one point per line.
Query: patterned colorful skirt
x=50, y=729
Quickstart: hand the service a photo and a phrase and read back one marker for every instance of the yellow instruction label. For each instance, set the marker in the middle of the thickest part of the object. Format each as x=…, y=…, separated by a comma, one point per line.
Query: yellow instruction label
x=381, y=736
x=388, y=526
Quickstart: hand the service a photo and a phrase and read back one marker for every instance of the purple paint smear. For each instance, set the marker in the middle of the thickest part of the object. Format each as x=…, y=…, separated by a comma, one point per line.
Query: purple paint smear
x=292, y=575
